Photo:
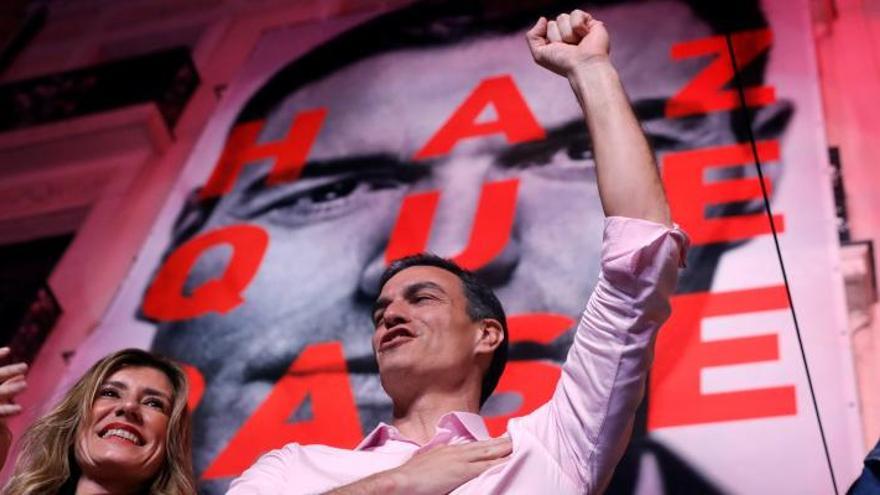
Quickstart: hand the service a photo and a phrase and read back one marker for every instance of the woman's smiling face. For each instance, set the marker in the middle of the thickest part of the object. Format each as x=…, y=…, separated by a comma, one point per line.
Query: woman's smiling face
x=125, y=433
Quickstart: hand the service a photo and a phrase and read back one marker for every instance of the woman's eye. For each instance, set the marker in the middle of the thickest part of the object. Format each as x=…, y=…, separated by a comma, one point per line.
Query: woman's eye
x=155, y=403
x=108, y=392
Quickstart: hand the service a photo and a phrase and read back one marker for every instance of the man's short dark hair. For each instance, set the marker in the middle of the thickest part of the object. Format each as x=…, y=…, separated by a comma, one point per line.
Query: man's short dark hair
x=482, y=303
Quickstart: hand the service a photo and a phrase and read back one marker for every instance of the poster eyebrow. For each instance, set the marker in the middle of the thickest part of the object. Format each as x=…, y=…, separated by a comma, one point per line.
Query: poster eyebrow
x=574, y=131
x=556, y=138
x=385, y=163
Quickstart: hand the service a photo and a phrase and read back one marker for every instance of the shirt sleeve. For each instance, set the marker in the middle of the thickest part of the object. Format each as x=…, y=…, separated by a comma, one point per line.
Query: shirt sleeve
x=587, y=422
x=268, y=476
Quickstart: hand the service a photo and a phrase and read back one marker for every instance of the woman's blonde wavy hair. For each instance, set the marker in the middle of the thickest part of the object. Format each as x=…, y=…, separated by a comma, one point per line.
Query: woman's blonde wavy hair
x=46, y=463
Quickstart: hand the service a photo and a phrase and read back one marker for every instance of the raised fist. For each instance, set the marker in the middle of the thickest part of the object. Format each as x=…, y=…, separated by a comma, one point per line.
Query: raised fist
x=569, y=41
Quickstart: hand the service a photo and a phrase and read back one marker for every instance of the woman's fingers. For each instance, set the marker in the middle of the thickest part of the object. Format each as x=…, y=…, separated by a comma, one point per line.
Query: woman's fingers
x=10, y=388
x=11, y=370
x=8, y=410
x=12, y=383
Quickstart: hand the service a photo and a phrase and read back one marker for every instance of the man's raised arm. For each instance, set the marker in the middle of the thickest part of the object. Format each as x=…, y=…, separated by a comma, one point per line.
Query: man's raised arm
x=587, y=423
x=576, y=46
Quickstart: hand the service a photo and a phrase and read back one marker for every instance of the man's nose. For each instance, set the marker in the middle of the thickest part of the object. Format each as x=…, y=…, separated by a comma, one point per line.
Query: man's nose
x=396, y=313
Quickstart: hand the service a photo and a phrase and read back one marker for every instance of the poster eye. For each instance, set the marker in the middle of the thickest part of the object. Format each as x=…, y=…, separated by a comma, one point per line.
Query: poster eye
x=334, y=191
x=662, y=142
x=580, y=151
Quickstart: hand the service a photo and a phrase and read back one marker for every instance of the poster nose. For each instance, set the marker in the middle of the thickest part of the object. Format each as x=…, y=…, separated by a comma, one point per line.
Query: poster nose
x=469, y=220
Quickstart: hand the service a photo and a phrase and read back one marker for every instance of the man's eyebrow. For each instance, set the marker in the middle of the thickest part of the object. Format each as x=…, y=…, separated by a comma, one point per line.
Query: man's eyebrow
x=375, y=163
x=427, y=284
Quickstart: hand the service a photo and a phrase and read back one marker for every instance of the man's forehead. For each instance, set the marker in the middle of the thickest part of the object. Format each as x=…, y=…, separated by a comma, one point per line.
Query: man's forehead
x=396, y=101
x=422, y=276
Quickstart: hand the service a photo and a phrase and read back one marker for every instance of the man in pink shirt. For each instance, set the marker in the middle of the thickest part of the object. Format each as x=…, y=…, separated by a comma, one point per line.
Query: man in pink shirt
x=440, y=336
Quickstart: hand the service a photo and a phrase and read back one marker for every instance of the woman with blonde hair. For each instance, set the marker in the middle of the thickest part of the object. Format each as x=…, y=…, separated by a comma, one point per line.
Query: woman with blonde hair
x=122, y=428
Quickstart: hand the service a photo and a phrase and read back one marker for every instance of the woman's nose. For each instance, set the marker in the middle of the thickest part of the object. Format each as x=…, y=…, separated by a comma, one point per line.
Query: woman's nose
x=129, y=409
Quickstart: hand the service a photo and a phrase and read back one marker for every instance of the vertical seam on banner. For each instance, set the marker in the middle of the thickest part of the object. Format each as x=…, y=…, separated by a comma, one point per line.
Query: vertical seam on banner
x=742, y=99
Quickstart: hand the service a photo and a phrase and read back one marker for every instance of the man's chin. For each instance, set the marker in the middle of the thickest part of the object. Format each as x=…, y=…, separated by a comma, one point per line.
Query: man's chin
x=393, y=369
x=397, y=368
x=395, y=357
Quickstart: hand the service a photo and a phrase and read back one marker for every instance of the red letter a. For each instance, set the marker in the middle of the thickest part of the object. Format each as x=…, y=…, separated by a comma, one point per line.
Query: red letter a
x=318, y=373
x=515, y=120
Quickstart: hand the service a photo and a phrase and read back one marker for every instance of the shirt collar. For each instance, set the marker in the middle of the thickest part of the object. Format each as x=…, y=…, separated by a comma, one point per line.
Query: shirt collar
x=462, y=423
x=378, y=436
x=465, y=423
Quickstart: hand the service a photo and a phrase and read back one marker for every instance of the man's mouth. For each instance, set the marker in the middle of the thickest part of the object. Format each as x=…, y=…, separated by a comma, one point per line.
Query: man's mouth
x=122, y=431
x=395, y=338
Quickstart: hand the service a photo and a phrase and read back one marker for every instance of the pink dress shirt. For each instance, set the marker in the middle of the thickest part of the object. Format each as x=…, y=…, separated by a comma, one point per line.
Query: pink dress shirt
x=570, y=444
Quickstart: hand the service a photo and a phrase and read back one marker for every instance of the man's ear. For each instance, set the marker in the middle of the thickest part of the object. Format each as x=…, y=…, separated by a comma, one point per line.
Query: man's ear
x=490, y=336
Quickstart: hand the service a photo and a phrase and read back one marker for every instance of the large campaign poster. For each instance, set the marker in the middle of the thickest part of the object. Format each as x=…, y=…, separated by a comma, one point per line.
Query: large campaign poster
x=345, y=144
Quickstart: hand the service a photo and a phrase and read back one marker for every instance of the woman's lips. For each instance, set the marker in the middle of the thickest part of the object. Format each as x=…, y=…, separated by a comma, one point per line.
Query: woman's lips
x=122, y=431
